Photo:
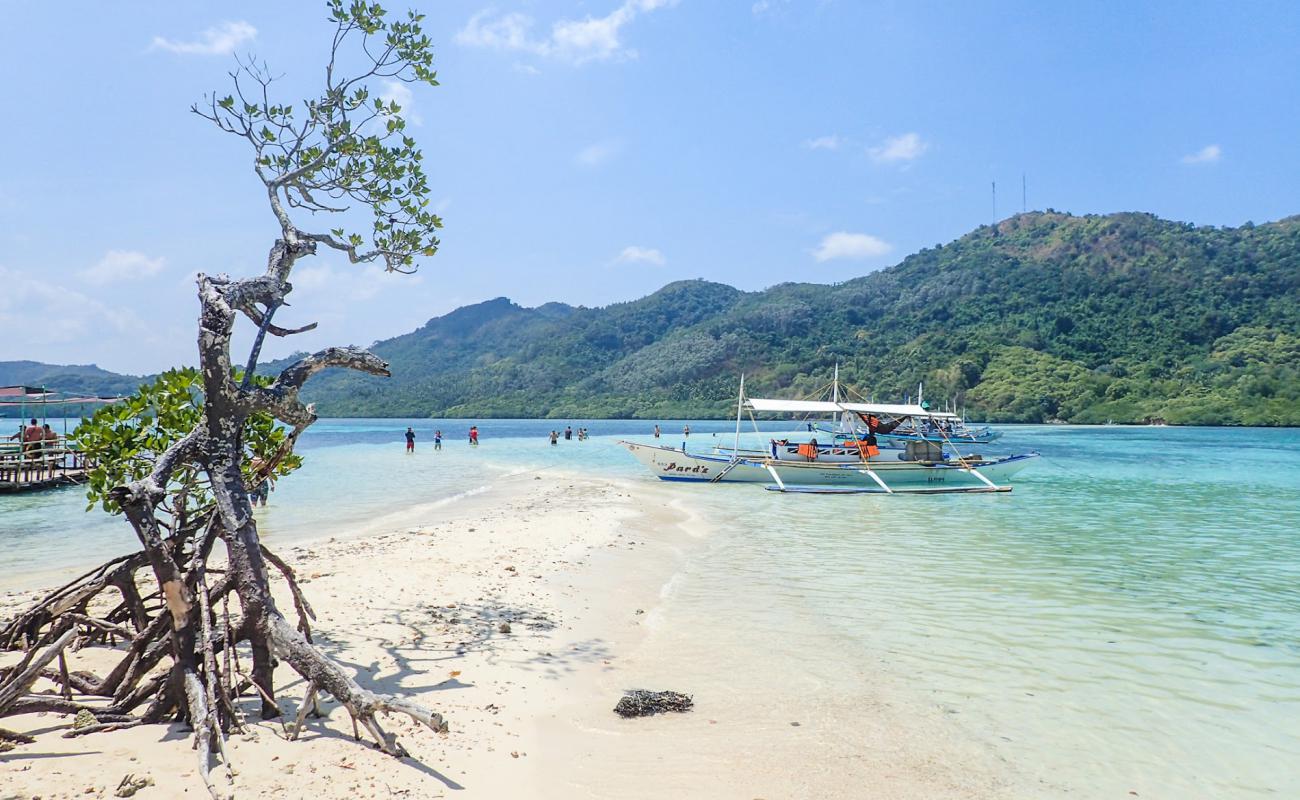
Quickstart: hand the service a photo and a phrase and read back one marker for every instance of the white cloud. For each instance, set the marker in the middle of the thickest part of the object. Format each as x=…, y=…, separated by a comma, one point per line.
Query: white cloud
x=842, y=245
x=574, y=40
x=220, y=40
x=1208, y=154
x=907, y=147
x=122, y=265
x=527, y=69
x=28, y=305
x=398, y=92
x=506, y=32
x=633, y=254
x=832, y=142
x=339, y=294
x=762, y=7
x=593, y=155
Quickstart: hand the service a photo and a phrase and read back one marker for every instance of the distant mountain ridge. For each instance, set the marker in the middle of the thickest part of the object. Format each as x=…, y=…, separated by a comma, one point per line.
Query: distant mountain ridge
x=1046, y=316
x=71, y=379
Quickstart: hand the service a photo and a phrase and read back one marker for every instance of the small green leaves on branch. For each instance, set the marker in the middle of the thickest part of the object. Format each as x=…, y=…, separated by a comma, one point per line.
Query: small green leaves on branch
x=122, y=441
x=344, y=147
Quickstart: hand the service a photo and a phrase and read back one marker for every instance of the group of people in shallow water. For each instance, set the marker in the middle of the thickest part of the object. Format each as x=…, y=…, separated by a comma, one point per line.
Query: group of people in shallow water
x=581, y=434
x=569, y=433
x=437, y=438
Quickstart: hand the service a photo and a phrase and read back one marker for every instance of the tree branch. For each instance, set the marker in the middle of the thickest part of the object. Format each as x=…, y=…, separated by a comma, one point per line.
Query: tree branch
x=295, y=375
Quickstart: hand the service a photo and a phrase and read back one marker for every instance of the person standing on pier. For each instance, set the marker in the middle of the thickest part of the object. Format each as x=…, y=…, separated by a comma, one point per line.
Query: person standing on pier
x=32, y=437
x=51, y=442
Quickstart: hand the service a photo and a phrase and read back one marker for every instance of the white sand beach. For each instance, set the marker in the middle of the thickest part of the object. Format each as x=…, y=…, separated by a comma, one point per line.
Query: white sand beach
x=582, y=571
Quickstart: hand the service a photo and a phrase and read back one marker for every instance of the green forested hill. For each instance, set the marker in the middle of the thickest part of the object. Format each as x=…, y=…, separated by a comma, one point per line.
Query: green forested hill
x=69, y=379
x=1046, y=316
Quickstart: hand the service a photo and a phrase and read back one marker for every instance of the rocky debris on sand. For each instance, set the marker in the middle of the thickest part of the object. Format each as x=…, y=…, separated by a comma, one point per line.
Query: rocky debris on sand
x=643, y=703
x=504, y=627
x=84, y=719
x=131, y=784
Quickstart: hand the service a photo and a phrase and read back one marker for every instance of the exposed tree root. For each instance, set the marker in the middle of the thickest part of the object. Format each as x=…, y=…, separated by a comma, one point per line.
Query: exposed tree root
x=21, y=679
x=103, y=727
x=323, y=674
x=25, y=628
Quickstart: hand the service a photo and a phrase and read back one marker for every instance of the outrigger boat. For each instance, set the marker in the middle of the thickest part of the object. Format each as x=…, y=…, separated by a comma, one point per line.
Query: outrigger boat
x=841, y=466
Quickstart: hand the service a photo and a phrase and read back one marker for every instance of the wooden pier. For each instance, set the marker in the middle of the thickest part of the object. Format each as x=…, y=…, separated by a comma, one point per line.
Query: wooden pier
x=24, y=468
x=36, y=457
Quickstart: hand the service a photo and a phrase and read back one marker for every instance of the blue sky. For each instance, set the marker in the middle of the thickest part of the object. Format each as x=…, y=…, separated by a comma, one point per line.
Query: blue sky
x=589, y=152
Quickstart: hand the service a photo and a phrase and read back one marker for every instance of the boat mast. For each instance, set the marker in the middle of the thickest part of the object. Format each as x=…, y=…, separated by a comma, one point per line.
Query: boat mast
x=740, y=405
x=835, y=396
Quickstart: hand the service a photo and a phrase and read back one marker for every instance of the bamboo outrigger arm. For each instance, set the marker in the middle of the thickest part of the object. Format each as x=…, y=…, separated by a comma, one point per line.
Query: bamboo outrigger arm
x=877, y=479
x=772, y=471
x=979, y=475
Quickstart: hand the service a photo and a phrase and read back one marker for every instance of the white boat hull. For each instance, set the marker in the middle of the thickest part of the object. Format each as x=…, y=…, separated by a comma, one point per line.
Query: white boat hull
x=669, y=464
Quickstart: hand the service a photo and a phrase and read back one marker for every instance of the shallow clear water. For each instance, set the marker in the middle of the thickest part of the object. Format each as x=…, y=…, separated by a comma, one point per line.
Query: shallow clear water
x=1128, y=620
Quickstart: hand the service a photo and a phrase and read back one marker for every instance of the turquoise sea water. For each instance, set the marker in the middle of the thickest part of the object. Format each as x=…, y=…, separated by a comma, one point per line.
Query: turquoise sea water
x=1127, y=620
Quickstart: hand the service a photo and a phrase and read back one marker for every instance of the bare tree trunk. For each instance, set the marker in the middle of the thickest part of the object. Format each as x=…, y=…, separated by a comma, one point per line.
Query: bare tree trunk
x=226, y=408
x=198, y=688
x=329, y=153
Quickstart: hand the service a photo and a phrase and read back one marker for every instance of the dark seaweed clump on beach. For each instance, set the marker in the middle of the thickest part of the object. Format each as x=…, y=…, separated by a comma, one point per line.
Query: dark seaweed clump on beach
x=642, y=703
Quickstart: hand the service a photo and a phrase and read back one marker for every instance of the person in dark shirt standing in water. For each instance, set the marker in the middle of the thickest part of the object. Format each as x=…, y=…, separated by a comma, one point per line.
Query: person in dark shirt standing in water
x=437, y=440
x=656, y=431
x=410, y=440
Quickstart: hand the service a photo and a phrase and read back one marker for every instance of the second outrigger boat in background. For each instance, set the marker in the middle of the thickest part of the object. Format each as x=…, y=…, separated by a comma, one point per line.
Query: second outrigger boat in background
x=853, y=460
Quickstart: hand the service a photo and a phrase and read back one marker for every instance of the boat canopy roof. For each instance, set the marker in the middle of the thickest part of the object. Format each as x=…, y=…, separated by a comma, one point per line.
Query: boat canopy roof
x=794, y=406
x=33, y=397
x=892, y=409
x=24, y=391
x=827, y=407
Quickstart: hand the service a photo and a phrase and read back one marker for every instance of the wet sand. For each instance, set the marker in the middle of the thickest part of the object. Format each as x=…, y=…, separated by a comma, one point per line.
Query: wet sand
x=582, y=571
